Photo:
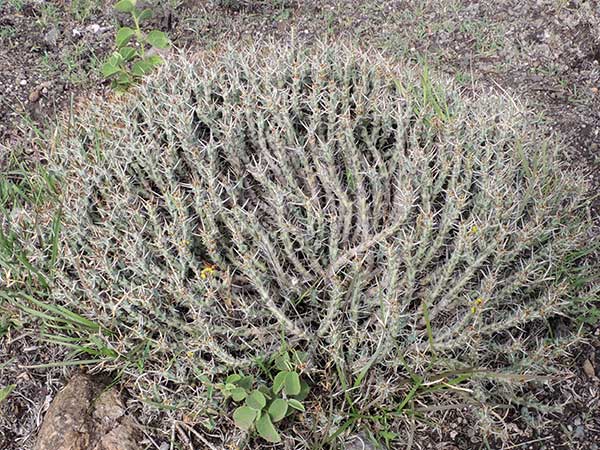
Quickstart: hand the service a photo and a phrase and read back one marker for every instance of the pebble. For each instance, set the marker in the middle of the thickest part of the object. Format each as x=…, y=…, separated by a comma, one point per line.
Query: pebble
x=93, y=28
x=96, y=29
x=588, y=368
x=40, y=89
x=51, y=37
x=579, y=432
x=34, y=95
x=23, y=82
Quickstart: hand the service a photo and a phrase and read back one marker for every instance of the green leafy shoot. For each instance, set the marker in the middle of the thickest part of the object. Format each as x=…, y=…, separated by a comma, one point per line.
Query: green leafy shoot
x=136, y=51
x=264, y=405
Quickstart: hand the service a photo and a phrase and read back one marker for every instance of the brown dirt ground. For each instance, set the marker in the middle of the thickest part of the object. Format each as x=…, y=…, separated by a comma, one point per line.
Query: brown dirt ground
x=546, y=52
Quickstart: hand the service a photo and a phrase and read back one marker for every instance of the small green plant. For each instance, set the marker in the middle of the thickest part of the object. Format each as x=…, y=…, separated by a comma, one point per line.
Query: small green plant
x=8, y=322
x=265, y=405
x=83, y=9
x=130, y=62
x=5, y=391
x=7, y=32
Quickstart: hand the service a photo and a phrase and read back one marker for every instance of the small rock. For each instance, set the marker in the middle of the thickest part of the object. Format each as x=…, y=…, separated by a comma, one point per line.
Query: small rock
x=82, y=417
x=40, y=90
x=51, y=37
x=588, y=368
x=23, y=82
x=579, y=432
x=96, y=29
x=93, y=28
x=34, y=95
x=359, y=442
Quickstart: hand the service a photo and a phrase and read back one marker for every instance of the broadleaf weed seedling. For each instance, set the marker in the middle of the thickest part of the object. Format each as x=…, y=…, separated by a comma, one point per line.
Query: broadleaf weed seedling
x=263, y=405
x=129, y=63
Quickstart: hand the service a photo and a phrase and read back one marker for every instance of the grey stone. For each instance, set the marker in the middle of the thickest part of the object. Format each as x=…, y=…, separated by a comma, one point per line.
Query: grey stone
x=83, y=417
x=51, y=37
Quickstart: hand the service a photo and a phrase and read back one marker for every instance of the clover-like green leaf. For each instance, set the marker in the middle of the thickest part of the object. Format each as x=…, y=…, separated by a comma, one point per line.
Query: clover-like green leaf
x=128, y=53
x=233, y=378
x=256, y=400
x=266, y=429
x=126, y=6
x=244, y=417
x=296, y=404
x=157, y=39
x=238, y=394
x=282, y=361
x=123, y=36
x=154, y=60
x=124, y=78
x=304, y=390
x=115, y=59
x=145, y=15
x=122, y=81
x=246, y=382
x=109, y=69
x=228, y=387
x=279, y=381
x=268, y=393
x=141, y=68
x=278, y=409
x=292, y=383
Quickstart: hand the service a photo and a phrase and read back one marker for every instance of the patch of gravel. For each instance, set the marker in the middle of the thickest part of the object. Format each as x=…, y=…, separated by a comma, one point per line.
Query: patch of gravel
x=46, y=56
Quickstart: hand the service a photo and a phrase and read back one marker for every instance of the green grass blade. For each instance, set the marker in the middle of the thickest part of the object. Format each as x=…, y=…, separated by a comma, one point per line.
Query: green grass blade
x=5, y=391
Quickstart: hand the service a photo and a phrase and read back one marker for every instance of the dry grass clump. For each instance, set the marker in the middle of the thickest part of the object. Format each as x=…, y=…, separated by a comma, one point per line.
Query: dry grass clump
x=328, y=199
x=239, y=4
